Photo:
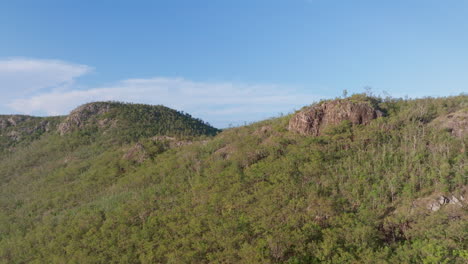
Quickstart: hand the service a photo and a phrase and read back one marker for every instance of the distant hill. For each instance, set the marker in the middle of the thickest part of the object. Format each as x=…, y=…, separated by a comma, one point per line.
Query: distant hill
x=347, y=180
x=134, y=120
x=104, y=120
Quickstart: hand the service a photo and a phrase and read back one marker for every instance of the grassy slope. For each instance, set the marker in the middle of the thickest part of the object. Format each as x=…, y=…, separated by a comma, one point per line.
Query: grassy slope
x=254, y=194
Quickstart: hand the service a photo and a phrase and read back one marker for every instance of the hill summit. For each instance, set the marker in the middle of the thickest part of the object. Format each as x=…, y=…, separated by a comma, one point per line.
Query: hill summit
x=141, y=119
x=103, y=121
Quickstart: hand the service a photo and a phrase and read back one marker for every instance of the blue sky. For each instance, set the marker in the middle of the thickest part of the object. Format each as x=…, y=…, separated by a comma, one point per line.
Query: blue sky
x=227, y=62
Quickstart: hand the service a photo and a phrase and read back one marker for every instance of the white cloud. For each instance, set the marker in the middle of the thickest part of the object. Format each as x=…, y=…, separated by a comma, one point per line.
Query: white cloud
x=218, y=103
x=50, y=90
x=23, y=77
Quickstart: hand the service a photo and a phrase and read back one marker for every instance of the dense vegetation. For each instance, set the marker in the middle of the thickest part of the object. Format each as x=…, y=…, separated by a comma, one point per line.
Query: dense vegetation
x=103, y=123
x=129, y=122
x=252, y=194
x=139, y=121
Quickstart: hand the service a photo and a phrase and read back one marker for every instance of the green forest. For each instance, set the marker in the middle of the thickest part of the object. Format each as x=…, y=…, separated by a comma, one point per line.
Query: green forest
x=130, y=183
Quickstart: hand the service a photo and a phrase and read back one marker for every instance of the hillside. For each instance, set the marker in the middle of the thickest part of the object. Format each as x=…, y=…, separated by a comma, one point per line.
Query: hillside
x=354, y=180
x=102, y=121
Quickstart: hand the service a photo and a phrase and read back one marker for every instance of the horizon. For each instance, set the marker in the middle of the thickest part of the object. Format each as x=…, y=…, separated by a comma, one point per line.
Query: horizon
x=227, y=62
x=245, y=122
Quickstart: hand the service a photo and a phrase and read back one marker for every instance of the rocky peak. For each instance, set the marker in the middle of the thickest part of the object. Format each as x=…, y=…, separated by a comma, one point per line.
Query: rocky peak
x=79, y=117
x=312, y=120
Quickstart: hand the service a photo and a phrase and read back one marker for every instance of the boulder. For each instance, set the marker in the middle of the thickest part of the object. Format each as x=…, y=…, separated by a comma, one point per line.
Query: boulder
x=313, y=120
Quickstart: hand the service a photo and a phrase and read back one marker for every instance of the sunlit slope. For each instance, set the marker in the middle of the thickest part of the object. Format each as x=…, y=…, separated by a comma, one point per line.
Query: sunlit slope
x=354, y=192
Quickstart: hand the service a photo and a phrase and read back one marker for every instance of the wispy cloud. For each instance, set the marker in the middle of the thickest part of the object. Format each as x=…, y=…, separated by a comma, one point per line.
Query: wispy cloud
x=220, y=103
x=24, y=76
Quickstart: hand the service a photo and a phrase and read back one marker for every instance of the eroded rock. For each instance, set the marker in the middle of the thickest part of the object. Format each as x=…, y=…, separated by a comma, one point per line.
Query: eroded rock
x=313, y=120
x=436, y=202
x=81, y=115
x=12, y=121
x=16, y=127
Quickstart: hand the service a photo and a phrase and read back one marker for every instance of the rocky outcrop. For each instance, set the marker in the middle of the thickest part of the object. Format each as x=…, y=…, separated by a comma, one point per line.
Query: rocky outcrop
x=79, y=117
x=435, y=202
x=456, y=123
x=313, y=120
x=12, y=120
x=16, y=127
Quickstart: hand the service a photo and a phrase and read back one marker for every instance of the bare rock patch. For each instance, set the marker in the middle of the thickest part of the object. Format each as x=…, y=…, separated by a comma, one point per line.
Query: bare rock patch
x=313, y=120
x=456, y=122
x=79, y=117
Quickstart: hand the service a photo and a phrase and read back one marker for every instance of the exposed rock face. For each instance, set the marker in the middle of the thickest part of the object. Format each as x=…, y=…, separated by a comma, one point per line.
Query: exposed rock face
x=15, y=127
x=455, y=201
x=13, y=120
x=435, y=203
x=456, y=123
x=80, y=115
x=313, y=120
x=14, y=135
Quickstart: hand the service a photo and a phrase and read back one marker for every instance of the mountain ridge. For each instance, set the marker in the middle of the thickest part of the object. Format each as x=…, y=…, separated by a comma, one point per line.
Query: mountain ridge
x=124, y=120
x=252, y=194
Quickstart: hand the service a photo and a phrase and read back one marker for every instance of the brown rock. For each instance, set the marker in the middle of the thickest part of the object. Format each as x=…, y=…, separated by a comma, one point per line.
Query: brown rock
x=313, y=120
